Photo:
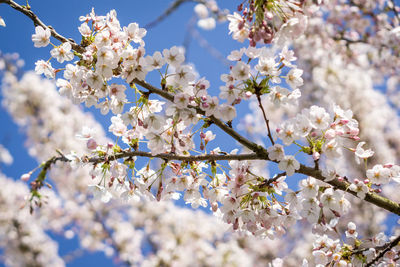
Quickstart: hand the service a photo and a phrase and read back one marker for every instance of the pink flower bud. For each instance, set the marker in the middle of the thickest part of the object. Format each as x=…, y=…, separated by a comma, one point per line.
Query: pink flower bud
x=330, y=134
x=237, y=101
x=316, y=155
x=339, y=133
x=214, y=206
x=91, y=144
x=354, y=131
x=26, y=176
x=268, y=15
x=236, y=224
x=248, y=95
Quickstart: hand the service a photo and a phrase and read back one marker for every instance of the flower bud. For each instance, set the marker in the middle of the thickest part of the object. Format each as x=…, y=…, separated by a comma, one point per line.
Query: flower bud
x=91, y=144
x=26, y=176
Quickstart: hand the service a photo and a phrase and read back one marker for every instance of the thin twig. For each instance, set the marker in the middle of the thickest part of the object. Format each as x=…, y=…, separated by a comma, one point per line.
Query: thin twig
x=173, y=7
x=265, y=118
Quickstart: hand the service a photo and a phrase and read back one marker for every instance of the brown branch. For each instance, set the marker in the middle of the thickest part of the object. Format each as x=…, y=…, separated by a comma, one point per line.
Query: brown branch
x=373, y=198
x=265, y=116
x=389, y=246
x=169, y=156
x=37, y=22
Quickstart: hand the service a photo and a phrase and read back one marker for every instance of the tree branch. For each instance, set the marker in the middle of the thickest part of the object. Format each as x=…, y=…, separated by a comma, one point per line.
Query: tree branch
x=373, y=198
x=37, y=22
x=389, y=246
x=168, y=156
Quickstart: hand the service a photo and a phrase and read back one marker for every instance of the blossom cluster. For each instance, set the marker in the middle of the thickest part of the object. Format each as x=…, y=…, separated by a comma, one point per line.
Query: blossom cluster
x=265, y=21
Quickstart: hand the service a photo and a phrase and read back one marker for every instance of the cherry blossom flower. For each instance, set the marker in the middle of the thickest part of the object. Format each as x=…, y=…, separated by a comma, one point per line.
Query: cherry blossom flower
x=379, y=174
x=360, y=153
x=289, y=164
x=43, y=67
x=63, y=52
x=41, y=37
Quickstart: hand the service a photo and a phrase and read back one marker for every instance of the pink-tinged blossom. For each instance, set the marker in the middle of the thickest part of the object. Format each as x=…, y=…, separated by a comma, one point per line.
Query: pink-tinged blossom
x=210, y=106
x=117, y=127
x=282, y=96
x=41, y=37
x=63, y=52
x=118, y=170
x=238, y=27
x=91, y=144
x=320, y=257
x=236, y=55
x=276, y=152
x=331, y=149
x=360, y=153
x=351, y=230
x=309, y=187
x=174, y=56
x=86, y=133
x=155, y=62
x=226, y=112
x=43, y=67
x=379, y=174
x=25, y=177
x=100, y=192
x=360, y=188
x=289, y=165
x=135, y=33
x=268, y=66
x=287, y=56
x=85, y=30
x=241, y=71
x=181, y=100
x=293, y=78
x=287, y=132
x=319, y=118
